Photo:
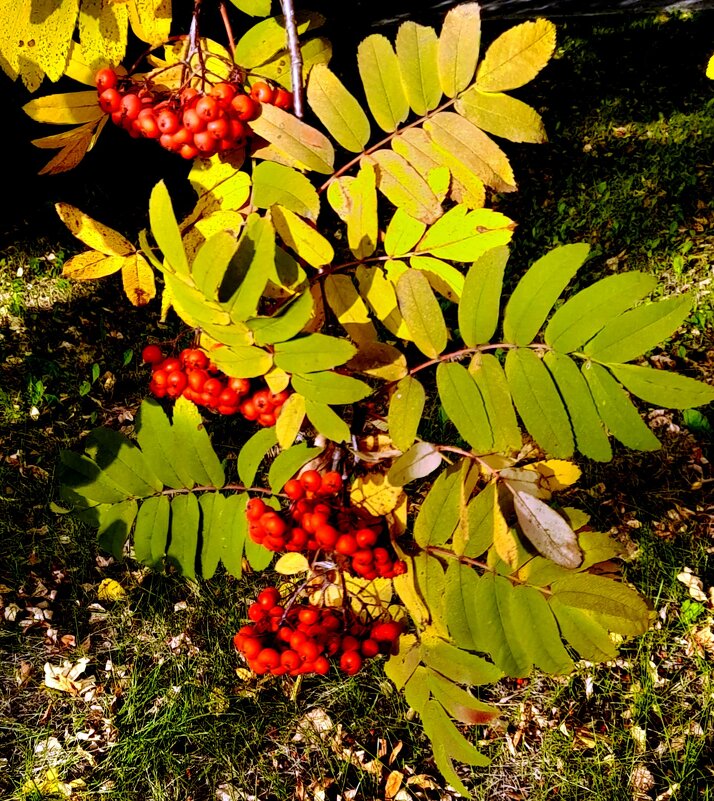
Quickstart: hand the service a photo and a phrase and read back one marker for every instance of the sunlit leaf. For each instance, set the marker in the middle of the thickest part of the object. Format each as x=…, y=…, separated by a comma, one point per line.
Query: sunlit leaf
x=375, y=494
x=443, y=277
x=151, y=20
x=253, y=452
x=421, y=459
x=286, y=324
x=103, y=29
x=459, y=44
x=305, y=241
x=381, y=296
x=479, y=309
x=463, y=404
x=249, y=270
x=201, y=459
x=138, y=279
x=289, y=422
x=417, y=57
x=491, y=381
x=662, y=387
x=277, y=184
x=151, y=532
x=349, y=308
x=256, y=8
x=331, y=388
x=404, y=187
x=502, y=115
x=463, y=235
x=159, y=444
x=547, y=530
x=165, y=229
x=68, y=108
x=183, y=545
x=361, y=212
x=261, y=42
x=90, y=265
x=382, y=82
x=421, y=313
x=326, y=421
x=439, y=511
x=337, y=109
x=312, y=353
x=314, y=52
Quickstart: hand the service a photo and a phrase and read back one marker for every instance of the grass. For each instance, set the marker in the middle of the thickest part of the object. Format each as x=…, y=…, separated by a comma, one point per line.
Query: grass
x=628, y=168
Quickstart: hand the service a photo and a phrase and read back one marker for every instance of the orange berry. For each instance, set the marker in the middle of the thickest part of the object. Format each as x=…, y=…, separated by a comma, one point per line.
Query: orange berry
x=105, y=79
x=261, y=92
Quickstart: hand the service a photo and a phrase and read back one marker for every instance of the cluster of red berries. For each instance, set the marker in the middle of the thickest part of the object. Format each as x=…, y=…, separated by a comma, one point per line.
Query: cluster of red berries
x=191, y=123
x=302, y=638
x=358, y=542
x=194, y=376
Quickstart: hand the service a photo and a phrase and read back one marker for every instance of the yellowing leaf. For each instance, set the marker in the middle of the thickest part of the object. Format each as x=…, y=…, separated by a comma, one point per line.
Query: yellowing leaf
x=382, y=81
x=48, y=785
x=502, y=115
x=361, y=212
x=381, y=296
x=404, y=187
x=68, y=108
x=77, y=68
x=463, y=235
x=317, y=50
x=110, y=590
x=90, y=265
x=94, y=234
x=557, y=474
x=103, y=31
x=138, y=279
x=150, y=20
x=290, y=420
x=416, y=54
x=517, y=56
x=46, y=34
x=298, y=235
x=66, y=137
x=337, y=109
x=291, y=563
x=379, y=360
x=418, y=149
x=78, y=142
x=349, y=308
x=710, y=68
x=375, y=494
x=218, y=185
x=459, y=44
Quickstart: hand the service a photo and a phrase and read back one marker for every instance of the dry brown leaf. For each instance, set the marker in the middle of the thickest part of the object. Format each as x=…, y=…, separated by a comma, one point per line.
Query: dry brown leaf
x=393, y=783
x=694, y=584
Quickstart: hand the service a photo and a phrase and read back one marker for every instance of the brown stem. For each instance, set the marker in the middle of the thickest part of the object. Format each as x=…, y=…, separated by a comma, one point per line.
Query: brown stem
x=295, y=55
x=195, y=41
x=231, y=487
x=229, y=30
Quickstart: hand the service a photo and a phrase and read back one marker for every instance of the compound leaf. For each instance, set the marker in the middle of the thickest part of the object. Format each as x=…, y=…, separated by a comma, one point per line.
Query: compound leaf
x=68, y=108
x=463, y=235
x=440, y=510
x=94, y=234
x=403, y=186
x=122, y=462
x=160, y=446
x=309, y=244
x=166, y=231
x=491, y=381
x=585, y=634
x=403, y=232
x=361, y=212
x=313, y=353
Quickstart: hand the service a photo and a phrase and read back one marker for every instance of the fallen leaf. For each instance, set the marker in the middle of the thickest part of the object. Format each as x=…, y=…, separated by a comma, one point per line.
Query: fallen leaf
x=111, y=590
x=694, y=584
x=49, y=784
x=393, y=783
x=66, y=679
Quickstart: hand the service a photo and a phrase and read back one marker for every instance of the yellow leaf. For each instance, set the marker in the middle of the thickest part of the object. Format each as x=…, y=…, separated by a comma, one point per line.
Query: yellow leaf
x=517, y=56
x=443, y=277
x=103, y=32
x=290, y=420
x=337, y=109
x=276, y=379
x=68, y=108
x=65, y=678
x=94, y=234
x=90, y=265
x=150, y=20
x=382, y=81
x=77, y=67
x=417, y=148
x=502, y=115
x=557, y=473
x=710, y=68
x=315, y=51
x=416, y=53
x=459, y=44
x=379, y=360
x=375, y=494
x=110, y=590
x=73, y=152
x=349, y=308
x=291, y=563
x=361, y=214
x=65, y=138
x=47, y=34
x=379, y=293
x=48, y=785
x=138, y=279
x=298, y=235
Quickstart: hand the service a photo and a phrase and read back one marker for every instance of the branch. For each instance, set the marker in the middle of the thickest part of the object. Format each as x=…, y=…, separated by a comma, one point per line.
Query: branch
x=295, y=55
x=229, y=30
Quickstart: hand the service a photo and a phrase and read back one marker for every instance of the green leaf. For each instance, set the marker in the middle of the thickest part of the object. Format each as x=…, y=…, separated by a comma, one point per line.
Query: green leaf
x=152, y=531
x=159, y=445
x=253, y=453
x=540, y=637
x=583, y=315
x=326, y=422
x=418, y=461
x=463, y=404
x=122, y=462
x=616, y=410
x=586, y=635
x=406, y=407
x=337, y=109
x=267, y=38
x=313, y=353
x=538, y=402
x=331, y=388
x=287, y=463
x=317, y=50
x=242, y=362
x=444, y=278
x=382, y=81
x=250, y=269
x=463, y=235
x=459, y=44
x=183, y=545
x=440, y=510
x=484, y=519
x=431, y=585
x=286, y=324
x=445, y=736
x=662, y=387
x=502, y=115
x=303, y=146
x=462, y=144
x=490, y=379
x=415, y=690
x=191, y=305
x=379, y=293
x=635, y=332
x=517, y=56
x=538, y=290
x=87, y=480
x=458, y=665
x=461, y=583
x=547, y=530
x=422, y=314
x=591, y=437
x=277, y=184
x=361, y=212
x=459, y=703
x=256, y=8
x=479, y=308
x=305, y=241
x=114, y=525
x=234, y=536
x=211, y=262
x=401, y=666
x=403, y=232
x=290, y=420
x=213, y=508
x=201, y=460
x=616, y=606
x=402, y=185
x=416, y=53
x=165, y=229
x=349, y=308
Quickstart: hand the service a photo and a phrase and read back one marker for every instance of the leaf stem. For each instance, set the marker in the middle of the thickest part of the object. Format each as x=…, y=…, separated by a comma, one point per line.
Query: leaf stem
x=230, y=487
x=229, y=30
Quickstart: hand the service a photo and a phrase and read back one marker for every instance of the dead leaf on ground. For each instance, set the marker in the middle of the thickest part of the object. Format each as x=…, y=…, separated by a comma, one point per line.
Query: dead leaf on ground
x=65, y=678
x=694, y=584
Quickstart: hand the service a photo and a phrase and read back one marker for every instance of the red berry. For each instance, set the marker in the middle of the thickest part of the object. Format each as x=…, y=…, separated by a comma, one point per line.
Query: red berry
x=110, y=101
x=261, y=92
x=331, y=483
x=223, y=93
x=311, y=480
x=152, y=354
x=366, y=538
x=387, y=631
x=321, y=666
x=105, y=79
x=268, y=597
x=346, y=545
x=308, y=615
x=294, y=489
x=240, y=386
x=219, y=128
x=255, y=509
x=244, y=107
x=193, y=121
x=148, y=124
x=175, y=383
x=168, y=121
x=251, y=647
x=351, y=662
x=283, y=99
x=131, y=105
x=207, y=108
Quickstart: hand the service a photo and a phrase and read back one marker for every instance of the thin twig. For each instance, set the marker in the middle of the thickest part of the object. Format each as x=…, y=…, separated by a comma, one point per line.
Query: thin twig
x=295, y=55
x=229, y=487
x=229, y=30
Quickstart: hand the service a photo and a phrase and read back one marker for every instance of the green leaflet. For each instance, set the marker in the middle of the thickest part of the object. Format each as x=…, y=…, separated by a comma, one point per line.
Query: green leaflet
x=151, y=531
x=253, y=453
x=313, y=353
x=401, y=666
x=583, y=315
x=83, y=476
x=463, y=235
x=382, y=82
x=122, y=462
x=443, y=277
x=491, y=381
x=234, y=537
x=418, y=461
x=242, y=362
x=616, y=410
x=547, y=530
x=663, y=388
x=421, y=313
x=183, y=545
x=502, y=115
x=538, y=402
x=479, y=308
x=406, y=407
x=459, y=44
x=299, y=236
x=213, y=506
x=114, y=525
x=430, y=583
x=251, y=267
x=538, y=290
x=457, y=665
x=461, y=583
x=417, y=56
x=403, y=232
x=463, y=404
x=211, y=262
x=349, y=308
x=201, y=460
x=402, y=185
x=317, y=50
x=160, y=447
x=277, y=184
x=590, y=436
x=483, y=519
x=267, y=38
x=586, y=635
x=286, y=324
x=331, y=388
x=166, y=231
x=287, y=463
x=327, y=422
x=538, y=630
x=337, y=109
x=256, y=8
x=459, y=703
x=191, y=305
x=635, y=332
x=440, y=510
x=447, y=739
